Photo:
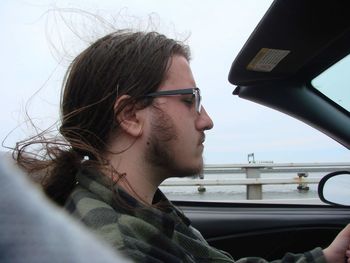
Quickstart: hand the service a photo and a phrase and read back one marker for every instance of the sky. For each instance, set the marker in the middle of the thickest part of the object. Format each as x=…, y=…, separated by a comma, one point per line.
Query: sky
x=41, y=37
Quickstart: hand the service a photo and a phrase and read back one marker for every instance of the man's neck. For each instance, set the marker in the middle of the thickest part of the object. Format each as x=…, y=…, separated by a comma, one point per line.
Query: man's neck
x=138, y=179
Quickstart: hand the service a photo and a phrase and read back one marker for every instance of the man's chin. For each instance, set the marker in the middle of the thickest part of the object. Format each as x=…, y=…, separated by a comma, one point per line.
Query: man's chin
x=196, y=176
x=193, y=171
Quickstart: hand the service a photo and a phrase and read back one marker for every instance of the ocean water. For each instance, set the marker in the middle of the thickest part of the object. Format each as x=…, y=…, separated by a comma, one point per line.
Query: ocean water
x=286, y=192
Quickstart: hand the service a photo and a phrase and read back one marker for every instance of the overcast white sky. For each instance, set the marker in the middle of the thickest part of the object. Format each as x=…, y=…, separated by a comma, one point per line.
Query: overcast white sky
x=36, y=48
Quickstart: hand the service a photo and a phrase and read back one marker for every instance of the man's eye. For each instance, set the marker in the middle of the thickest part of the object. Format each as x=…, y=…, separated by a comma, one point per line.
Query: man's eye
x=188, y=101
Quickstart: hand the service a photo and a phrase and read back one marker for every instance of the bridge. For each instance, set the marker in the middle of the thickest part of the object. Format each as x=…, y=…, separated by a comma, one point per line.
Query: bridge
x=299, y=175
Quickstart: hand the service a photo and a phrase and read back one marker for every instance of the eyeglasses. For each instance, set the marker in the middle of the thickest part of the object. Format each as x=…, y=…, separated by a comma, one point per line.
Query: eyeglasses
x=194, y=91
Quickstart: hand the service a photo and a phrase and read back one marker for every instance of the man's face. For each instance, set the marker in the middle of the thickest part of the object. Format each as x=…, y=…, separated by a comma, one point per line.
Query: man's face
x=175, y=141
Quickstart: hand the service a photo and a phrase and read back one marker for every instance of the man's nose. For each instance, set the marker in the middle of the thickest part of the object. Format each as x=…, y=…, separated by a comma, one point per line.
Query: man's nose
x=204, y=121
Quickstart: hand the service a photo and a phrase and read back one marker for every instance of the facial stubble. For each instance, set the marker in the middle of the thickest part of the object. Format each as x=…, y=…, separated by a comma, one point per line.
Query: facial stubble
x=160, y=150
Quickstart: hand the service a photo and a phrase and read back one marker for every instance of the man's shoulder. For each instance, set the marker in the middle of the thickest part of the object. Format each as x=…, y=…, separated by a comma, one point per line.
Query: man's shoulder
x=89, y=207
x=95, y=212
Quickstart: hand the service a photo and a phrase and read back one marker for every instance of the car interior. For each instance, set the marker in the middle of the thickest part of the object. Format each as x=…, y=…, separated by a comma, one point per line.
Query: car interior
x=294, y=42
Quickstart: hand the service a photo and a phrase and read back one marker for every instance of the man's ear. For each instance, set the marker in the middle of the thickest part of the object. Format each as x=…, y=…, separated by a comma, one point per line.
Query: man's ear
x=129, y=118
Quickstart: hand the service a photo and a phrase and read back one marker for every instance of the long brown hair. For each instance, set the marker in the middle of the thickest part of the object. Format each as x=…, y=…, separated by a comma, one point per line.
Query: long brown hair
x=124, y=62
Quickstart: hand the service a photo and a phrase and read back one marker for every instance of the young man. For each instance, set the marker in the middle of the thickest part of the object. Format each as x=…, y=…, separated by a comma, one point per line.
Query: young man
x=132, y=117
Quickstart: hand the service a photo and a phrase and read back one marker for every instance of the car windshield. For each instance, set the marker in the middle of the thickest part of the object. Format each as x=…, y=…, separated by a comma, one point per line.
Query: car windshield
x=334, y=83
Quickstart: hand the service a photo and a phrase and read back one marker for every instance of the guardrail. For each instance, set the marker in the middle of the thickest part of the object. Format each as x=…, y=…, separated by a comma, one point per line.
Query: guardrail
x=253, y=172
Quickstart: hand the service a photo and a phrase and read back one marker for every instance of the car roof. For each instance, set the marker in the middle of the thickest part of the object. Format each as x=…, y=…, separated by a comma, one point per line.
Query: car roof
x=297, y=40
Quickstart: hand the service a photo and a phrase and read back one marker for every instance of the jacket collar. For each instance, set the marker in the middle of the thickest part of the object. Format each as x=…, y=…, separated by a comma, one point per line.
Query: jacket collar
x=162, y=214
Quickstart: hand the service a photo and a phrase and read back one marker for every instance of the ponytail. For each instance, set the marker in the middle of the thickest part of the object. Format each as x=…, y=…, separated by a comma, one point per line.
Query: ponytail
x=55, y=171
x=61, y=180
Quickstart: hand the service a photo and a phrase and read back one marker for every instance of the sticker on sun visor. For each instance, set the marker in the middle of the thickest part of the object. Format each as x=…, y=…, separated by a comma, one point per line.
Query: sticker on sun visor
x=267, y=59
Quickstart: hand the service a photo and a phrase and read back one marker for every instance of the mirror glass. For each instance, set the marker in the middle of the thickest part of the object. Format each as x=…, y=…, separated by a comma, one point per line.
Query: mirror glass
x=337, y=189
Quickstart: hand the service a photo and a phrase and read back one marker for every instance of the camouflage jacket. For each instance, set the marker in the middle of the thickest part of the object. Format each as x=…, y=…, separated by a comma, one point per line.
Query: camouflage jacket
x=160, y=233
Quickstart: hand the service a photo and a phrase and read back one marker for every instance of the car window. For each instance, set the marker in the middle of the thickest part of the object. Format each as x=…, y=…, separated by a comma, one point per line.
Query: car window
x=267, y=181
x=334, y=83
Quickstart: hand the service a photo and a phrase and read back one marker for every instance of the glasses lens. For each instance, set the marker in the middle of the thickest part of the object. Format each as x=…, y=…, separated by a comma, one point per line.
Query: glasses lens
x=198, y=100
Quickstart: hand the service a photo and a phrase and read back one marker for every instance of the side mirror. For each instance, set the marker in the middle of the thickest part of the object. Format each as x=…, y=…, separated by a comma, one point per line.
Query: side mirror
x=334, y=188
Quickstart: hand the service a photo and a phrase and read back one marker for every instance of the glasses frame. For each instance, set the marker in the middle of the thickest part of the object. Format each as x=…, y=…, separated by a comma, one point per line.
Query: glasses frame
x=194, y=91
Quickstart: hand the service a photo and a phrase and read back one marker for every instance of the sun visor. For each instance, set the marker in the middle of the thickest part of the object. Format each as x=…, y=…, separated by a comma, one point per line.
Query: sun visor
x=288, y=40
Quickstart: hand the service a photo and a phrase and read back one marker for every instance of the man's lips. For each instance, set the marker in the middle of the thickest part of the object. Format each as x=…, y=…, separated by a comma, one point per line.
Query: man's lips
x=202, y=139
